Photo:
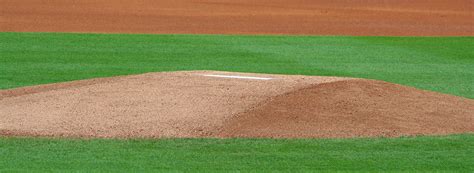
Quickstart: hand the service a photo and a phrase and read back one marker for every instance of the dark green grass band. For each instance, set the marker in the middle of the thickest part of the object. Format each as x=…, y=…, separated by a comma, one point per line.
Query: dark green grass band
x=443, y=64
x=453, y=153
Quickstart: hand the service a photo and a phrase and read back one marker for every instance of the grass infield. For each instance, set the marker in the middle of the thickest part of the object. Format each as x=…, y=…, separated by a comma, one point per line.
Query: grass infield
x=106, y=155
x=442, y=64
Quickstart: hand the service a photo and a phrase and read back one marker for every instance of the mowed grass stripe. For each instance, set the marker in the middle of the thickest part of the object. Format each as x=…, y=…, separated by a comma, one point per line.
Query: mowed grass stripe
x=442, y=64
x=453, y=153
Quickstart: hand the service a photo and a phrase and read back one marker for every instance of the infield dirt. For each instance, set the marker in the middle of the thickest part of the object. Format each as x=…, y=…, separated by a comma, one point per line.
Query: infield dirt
x=190, y=104
x=305, y=17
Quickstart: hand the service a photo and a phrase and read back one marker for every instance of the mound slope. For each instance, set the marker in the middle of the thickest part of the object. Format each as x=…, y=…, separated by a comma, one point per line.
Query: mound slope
x=353, y=108
x=308, y=17
x=194, y=104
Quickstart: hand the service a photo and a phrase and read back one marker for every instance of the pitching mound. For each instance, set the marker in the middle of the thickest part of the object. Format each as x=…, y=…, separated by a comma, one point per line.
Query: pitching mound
x=224, y=104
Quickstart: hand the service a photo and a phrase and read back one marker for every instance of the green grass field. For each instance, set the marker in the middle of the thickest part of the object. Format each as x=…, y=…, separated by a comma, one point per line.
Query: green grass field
x=442, y=64
x=401, y=154
x=433, y=63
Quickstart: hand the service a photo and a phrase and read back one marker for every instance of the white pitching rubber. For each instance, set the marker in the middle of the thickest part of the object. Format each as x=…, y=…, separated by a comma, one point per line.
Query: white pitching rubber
x=238, y=77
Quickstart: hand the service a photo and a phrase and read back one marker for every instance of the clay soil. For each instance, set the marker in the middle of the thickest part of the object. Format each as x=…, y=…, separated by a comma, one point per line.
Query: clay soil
x=190, y=104
x=306, y=17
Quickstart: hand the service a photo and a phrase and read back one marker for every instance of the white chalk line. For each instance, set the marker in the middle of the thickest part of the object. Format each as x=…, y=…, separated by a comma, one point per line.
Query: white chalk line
x=237, y=77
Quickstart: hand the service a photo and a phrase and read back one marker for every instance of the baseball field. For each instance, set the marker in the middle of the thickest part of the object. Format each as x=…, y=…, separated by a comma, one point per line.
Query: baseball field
x=219, y=85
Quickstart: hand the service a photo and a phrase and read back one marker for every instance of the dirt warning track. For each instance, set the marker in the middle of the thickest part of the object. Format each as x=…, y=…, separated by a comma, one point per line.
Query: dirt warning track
x=224, y=104
x=306, y=17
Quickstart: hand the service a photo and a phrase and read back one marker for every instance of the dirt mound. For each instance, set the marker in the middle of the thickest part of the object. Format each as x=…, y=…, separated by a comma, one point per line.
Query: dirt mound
x=308, y=17
x=224, y=104
x=172, y=104
x=354, y=108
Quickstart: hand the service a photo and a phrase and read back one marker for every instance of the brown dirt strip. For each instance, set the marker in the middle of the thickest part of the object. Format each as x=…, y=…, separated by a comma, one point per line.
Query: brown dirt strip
x=307, y=17
x=188, y=104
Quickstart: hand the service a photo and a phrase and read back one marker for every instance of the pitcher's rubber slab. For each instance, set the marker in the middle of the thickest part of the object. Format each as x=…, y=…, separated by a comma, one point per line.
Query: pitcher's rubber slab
x=224, y=104
x=305, y=17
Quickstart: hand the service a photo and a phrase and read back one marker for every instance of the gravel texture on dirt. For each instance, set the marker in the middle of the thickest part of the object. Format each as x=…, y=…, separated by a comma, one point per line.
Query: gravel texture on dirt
x=190, y=104
x=305, y=17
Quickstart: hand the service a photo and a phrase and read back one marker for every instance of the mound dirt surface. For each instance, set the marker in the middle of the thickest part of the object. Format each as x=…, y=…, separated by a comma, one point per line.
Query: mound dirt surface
x=353, y=108
x=309, y=17
x=194, y=104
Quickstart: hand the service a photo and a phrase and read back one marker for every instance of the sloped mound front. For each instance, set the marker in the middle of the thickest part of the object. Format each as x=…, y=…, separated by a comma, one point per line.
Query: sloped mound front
x=225, y=104
x=353, y=108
